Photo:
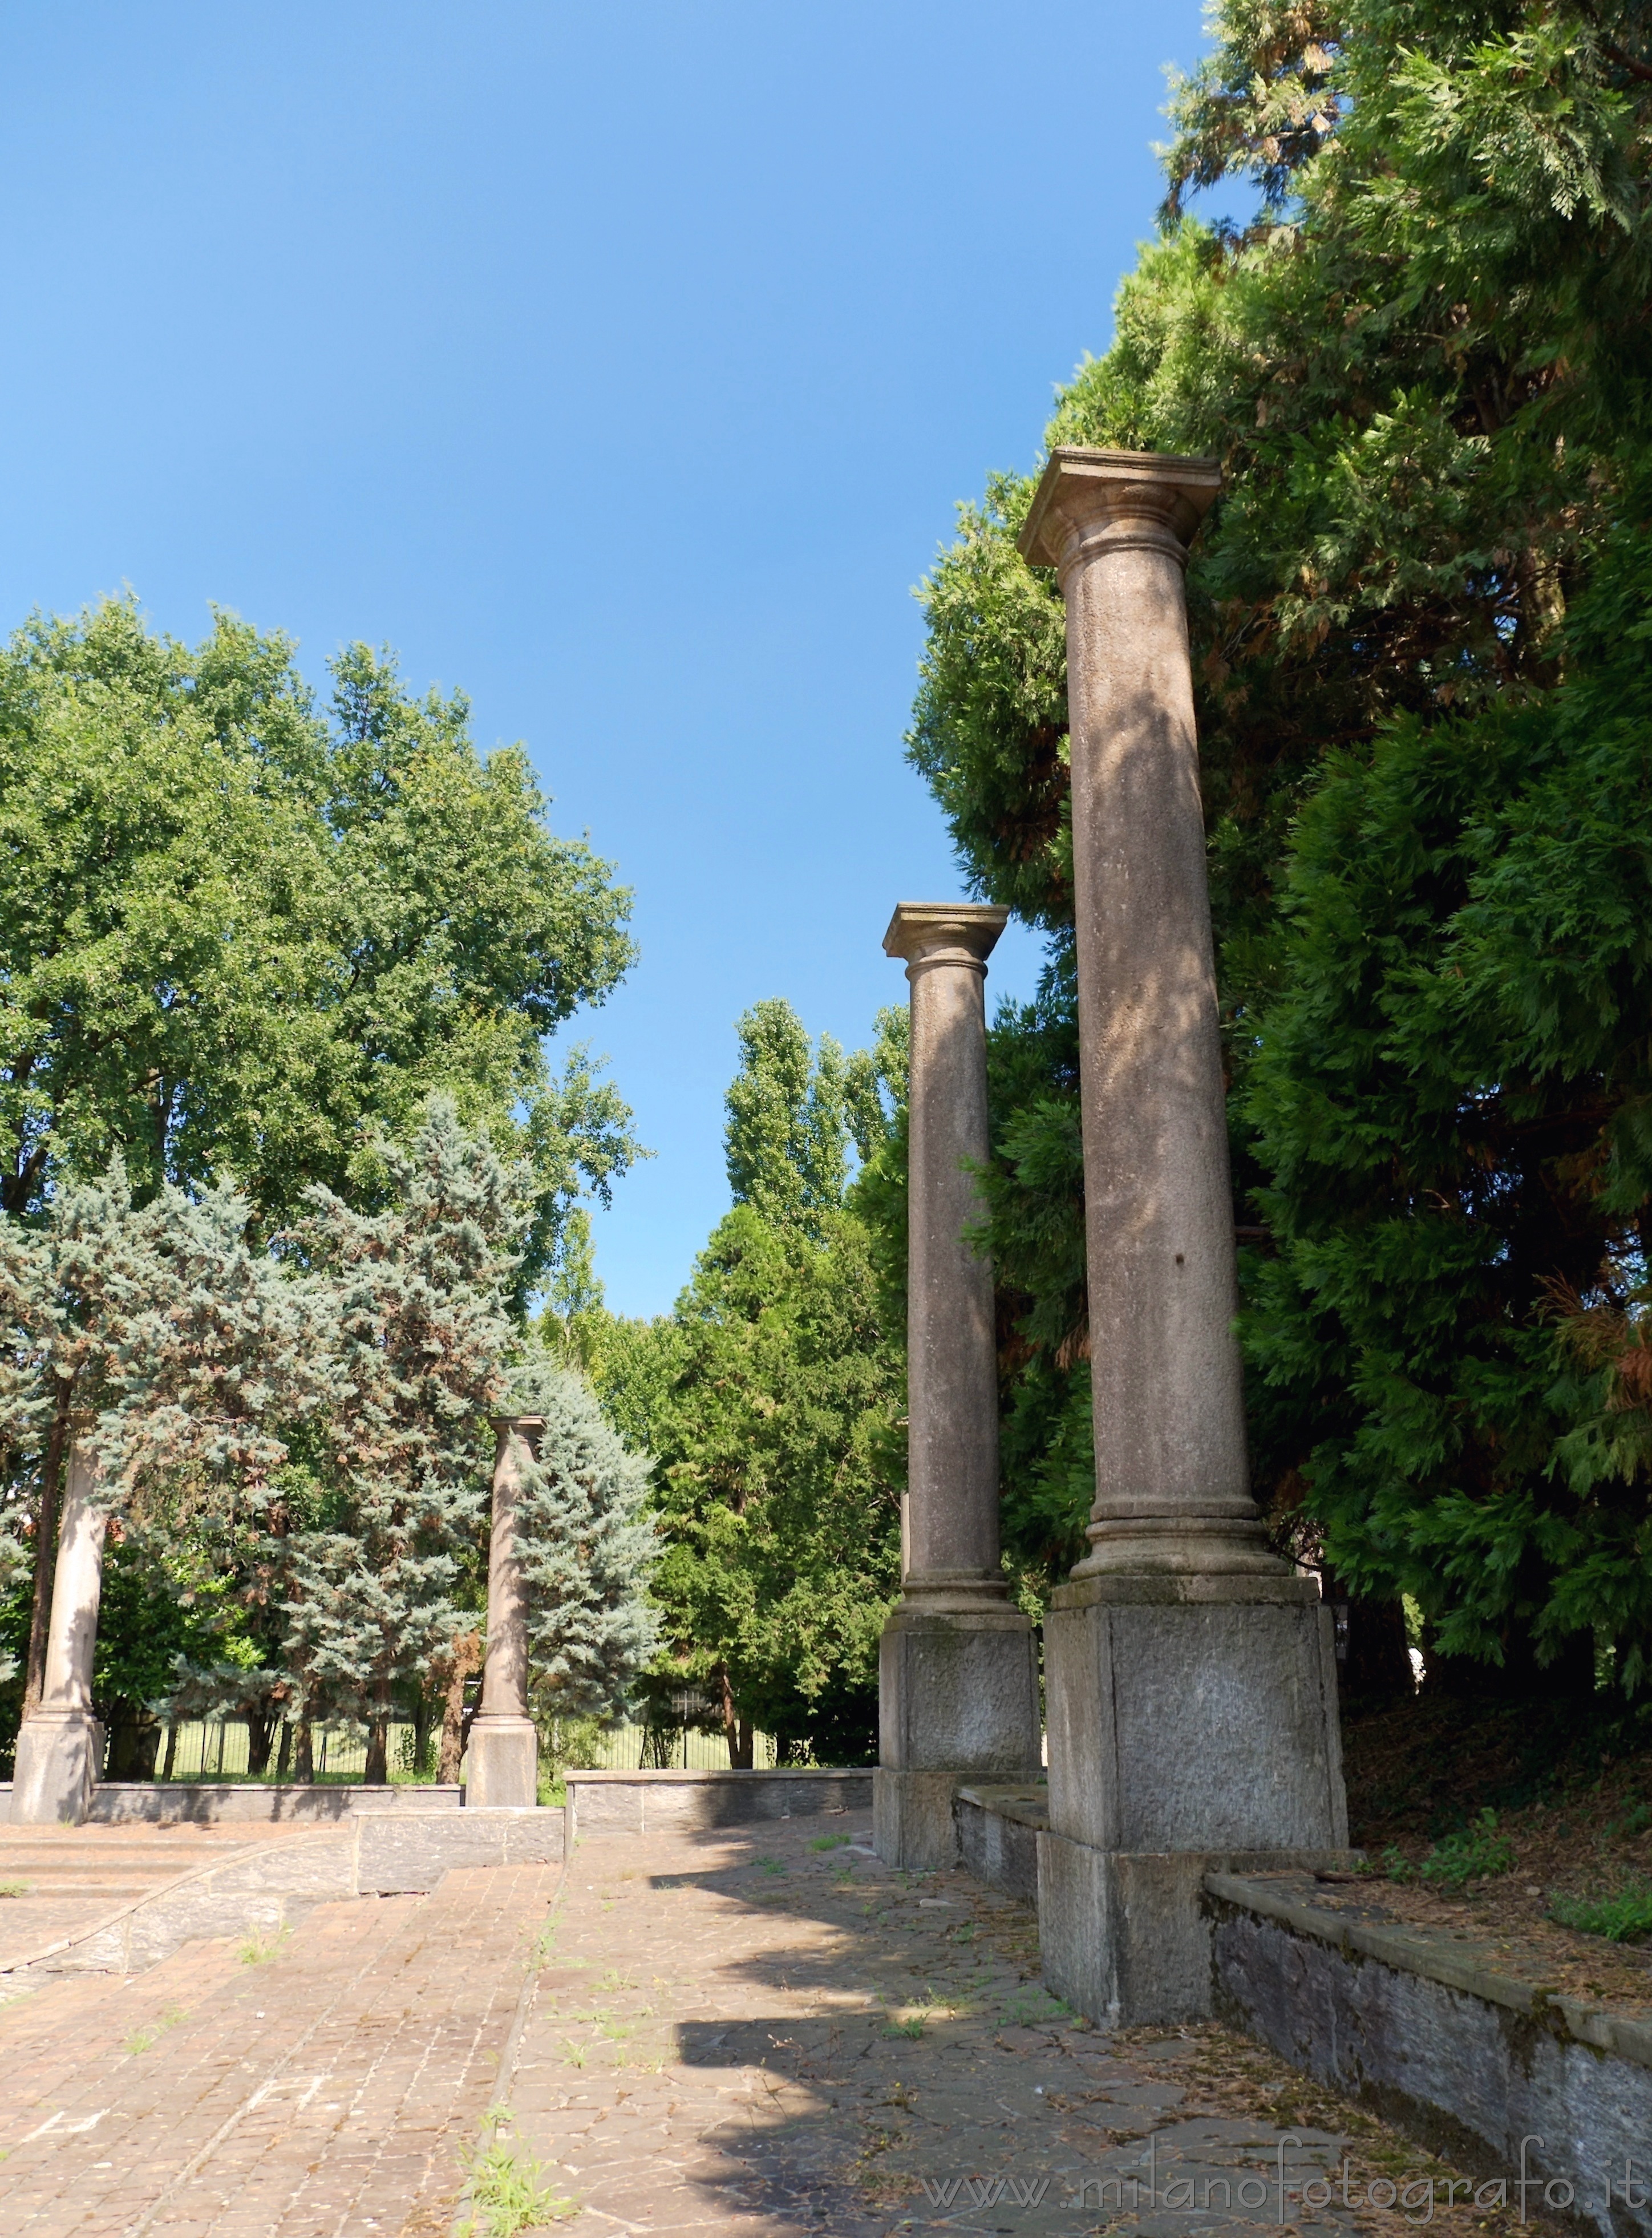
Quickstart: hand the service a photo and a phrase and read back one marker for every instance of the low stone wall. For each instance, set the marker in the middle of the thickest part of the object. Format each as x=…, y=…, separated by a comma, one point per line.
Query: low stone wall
x=220, y=1802
x=1504, y=2073
x=400, y=1853
x=602, y=1803
x=998, y=1831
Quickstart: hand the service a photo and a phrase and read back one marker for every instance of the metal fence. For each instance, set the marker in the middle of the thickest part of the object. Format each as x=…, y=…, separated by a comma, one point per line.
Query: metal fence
x=216, y=1748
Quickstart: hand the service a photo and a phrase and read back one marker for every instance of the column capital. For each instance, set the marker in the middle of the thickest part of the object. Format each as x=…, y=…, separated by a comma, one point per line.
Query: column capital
x=505, y=1423
x=1090, y=499
x=920, y=931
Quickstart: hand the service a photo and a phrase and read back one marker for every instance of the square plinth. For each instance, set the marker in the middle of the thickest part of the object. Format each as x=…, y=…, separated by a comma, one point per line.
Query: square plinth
x=60, y=1754
x=957, y=1701
x=502, y=1764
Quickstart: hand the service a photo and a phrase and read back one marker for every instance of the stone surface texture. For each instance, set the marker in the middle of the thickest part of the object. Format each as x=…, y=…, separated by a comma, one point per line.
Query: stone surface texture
x=60, y=1749
x=1192, y=1695
x=327, y=2090
x=746, y=2033
x=729, y=2032
x=958, y=1666
x=1459, y=2054
x=603, y=1804
x=502, y=1763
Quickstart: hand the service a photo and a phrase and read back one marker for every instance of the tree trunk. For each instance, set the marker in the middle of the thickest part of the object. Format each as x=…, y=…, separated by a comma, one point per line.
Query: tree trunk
x=51, y=1479
x=737, y=1729
x=304, y=1754
x=172, y=1749
x=424, y=1717
x=261, y=1734
x=284, y=1757
x=464, y=1656
x=378, y=1772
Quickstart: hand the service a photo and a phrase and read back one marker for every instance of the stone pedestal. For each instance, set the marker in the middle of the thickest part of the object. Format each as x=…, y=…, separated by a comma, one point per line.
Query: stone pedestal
x=1191, y=1674
x=502, y=1764
x=59, y=1748
x=1191, y=1720
x=958, y=1666
x=957, y=1703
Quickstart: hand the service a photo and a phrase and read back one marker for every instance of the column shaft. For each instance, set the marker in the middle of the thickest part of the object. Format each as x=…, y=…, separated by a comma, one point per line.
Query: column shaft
x=958, y=1666
x=78, y=1590
x=502, y=1763
x=59, y=1748
x=1172, y=1484
x=952, y=1409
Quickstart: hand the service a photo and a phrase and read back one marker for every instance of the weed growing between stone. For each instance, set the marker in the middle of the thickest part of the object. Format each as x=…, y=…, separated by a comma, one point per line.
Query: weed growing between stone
x=14, y=1887
x=261, y=1945
x=507, y=2192
x=829, y=1842
x=145, y=2039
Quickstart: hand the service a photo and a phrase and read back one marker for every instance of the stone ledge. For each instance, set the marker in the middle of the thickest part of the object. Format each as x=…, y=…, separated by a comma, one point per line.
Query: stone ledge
x=1439, y=1955
x=603, y=1803
x=998, y=1831
x=220, y=1803
x=1466, y=2058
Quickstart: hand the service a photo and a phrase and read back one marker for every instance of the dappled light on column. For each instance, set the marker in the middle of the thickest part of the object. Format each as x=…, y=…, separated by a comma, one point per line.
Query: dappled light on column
x=1189, y=1672
x=60, y=1747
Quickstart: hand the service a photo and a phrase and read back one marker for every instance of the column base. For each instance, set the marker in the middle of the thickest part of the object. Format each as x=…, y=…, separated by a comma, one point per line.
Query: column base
x=60, y=1753
x=1125, y=1937
x=502, y=1764
x=1192, y=1724
x=957, y=1701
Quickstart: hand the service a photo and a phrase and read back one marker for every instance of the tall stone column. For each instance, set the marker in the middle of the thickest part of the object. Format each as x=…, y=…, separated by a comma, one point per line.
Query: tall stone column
x=502, y=1767
x=1191, y=1674
x=59, y=1748
x=958, y=1665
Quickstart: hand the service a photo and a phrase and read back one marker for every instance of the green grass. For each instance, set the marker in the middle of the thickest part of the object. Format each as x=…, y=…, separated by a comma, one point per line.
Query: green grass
x=261, y=1945
x=829, y=1842
x=1476, y=1853
x=507, y=2193
x=1624, y=1917
x=145, y=2039
x=770, y=1865
x=913, y=2028
x=14, y=1887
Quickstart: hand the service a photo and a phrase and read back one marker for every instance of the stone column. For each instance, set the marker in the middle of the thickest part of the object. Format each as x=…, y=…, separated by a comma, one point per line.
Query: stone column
x=502, y=1767
x=59, y=1748
x=1191, y=1674
x=958, y=1666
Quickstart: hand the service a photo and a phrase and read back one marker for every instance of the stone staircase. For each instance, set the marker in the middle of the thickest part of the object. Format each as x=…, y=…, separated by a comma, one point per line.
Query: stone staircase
x=114, y=1898
x=120, y=1899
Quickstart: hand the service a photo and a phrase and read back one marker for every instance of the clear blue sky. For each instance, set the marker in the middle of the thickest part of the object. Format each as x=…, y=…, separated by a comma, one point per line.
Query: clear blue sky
x=620, y=363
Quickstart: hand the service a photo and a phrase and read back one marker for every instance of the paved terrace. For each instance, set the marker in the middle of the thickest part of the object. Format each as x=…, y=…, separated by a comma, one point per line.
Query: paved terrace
x=740, y=2032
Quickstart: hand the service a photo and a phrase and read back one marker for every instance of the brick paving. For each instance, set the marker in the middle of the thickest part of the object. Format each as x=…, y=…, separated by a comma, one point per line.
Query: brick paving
x=749, y=2032
x=759, y=2033
x=329, y=2088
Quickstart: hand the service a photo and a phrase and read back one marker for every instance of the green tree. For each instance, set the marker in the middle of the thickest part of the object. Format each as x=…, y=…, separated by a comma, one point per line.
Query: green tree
x=372, y=1590
x=1422, y=364
x=769, y=1399
x=238, y=933
x=588, y=1550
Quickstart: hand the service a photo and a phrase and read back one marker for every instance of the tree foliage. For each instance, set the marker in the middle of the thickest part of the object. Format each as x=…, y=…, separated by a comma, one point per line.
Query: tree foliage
x=588, y=1549
x=1423, y=363
x=238, y=931
x=768, y=1399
